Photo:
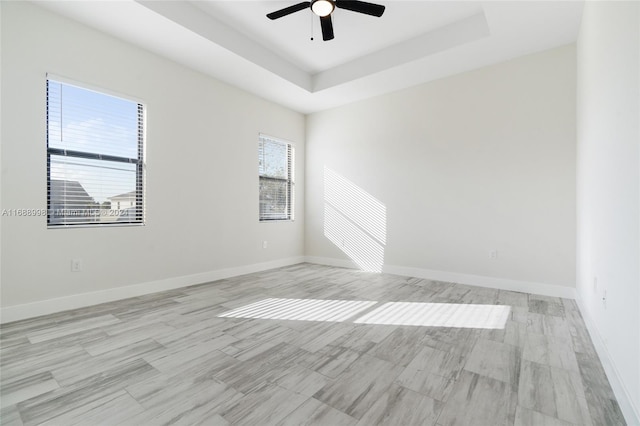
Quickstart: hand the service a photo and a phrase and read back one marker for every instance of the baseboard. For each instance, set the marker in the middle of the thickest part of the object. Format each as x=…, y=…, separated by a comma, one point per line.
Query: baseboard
x=45, y=307
x=456, y=277
x=330, y=261
x=50, y=306
x=630, y=410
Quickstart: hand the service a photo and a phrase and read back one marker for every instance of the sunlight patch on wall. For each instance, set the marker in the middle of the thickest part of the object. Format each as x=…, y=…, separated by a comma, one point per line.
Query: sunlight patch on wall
x=438, y=315
x=301, y=309
x=365, y=251
x=354, y=221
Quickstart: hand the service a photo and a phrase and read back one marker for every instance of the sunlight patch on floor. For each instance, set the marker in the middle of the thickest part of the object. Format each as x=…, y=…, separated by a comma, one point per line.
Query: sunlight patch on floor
x=438, y=315
x=389, y=313
x=301, y=309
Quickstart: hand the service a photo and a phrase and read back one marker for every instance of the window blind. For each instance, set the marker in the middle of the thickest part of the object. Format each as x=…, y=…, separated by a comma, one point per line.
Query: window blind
x=275, y=170
x=95, y=158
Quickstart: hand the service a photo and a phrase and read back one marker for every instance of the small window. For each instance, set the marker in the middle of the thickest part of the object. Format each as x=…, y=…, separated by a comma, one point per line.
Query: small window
x=95, y=159
x=275, y=170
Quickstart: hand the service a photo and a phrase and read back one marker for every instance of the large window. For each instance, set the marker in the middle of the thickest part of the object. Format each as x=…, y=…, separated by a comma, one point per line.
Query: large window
x=275, y=168
x=95, y=161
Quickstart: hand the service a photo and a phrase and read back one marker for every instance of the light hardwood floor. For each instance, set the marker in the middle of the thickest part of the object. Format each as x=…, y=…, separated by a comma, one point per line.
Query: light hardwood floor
x=169, y=358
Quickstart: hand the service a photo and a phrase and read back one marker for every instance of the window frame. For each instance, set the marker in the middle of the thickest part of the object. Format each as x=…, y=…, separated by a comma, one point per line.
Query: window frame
x=289, y=180
x=140, y=163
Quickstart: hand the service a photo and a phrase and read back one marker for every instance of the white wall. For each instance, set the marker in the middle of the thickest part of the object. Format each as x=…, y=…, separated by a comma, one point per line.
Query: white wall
x=469, y=164
x=608, y=190
x=202, y=138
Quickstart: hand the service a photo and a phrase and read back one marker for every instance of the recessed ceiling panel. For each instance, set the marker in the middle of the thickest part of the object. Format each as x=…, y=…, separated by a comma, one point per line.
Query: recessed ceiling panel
x=412, y=43
x=356, y=35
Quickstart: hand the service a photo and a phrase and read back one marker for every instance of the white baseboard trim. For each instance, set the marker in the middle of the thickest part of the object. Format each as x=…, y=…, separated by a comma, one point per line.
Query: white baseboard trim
x=45, y=307
x=330, y=261
x=456, y=277
x=484, y=281
x=629, y=408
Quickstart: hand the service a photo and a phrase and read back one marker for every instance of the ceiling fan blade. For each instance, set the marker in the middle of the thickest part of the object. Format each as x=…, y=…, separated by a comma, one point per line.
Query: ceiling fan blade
x=289, y=10
x=327, y=27
x=361, y=7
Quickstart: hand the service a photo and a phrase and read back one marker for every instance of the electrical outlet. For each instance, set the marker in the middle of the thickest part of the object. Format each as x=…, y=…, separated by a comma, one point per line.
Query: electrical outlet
x=595, y=284
x=493, y=254
x=76, y=265
x=264, y=244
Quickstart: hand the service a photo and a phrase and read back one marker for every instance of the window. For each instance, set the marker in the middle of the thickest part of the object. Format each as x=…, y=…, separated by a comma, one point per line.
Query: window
x=95, y=158
x=275, y=168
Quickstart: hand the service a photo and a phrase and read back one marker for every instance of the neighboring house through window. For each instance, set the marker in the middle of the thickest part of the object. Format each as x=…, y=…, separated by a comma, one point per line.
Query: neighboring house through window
x=275, y=170
x=95, y=162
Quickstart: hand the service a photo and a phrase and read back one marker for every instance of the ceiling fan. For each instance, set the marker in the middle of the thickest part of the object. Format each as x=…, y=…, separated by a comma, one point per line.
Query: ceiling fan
x=324, y=9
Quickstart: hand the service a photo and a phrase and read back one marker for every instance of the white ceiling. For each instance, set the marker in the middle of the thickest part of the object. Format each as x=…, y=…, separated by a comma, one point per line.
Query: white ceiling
x=412, y=43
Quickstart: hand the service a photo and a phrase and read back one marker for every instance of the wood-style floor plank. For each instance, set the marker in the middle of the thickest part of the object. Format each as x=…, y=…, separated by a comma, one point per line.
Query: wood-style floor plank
x=170, y=358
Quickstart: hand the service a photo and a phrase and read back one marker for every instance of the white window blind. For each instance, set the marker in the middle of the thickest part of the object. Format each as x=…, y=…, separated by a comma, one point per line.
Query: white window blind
x=275, y=170
x=95, y=163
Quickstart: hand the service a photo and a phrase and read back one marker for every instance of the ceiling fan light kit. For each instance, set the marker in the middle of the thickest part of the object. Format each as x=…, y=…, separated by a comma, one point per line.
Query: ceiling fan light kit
x=324, y=9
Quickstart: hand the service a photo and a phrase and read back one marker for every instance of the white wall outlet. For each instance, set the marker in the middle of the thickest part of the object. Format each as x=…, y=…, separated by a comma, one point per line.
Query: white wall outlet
x=595, y=284
x=493, y=254
x=264, y=244
x=76, y=265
